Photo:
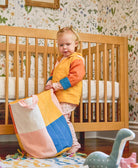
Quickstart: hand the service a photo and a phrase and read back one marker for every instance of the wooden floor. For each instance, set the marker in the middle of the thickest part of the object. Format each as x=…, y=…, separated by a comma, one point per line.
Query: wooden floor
x=90, y=145
x=105, y=146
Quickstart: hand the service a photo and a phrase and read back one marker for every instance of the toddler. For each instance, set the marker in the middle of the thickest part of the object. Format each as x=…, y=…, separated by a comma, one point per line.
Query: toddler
x=66, y=77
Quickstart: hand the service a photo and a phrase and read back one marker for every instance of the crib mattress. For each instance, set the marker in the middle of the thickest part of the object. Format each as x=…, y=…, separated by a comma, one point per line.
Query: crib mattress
x=12, y=84
x=31, y=88
x=101, y=90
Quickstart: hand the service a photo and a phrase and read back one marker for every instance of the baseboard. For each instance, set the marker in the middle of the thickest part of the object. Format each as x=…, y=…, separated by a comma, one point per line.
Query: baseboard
x=88, y=135
x=134, y=127
x=110, y=135
x=91, y=135
x=8, y=138
x=112, y=139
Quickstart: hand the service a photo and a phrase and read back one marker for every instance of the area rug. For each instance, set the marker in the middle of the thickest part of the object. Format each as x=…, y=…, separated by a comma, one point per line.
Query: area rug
x=63, y=161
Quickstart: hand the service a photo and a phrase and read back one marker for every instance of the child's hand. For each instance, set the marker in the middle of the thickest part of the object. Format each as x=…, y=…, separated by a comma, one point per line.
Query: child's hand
x=49, y=85
x=57, y=86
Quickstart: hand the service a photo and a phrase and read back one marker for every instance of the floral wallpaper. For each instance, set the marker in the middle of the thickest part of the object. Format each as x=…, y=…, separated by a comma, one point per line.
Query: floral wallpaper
x=81, y=14
x=119, y=18
x=109, y=17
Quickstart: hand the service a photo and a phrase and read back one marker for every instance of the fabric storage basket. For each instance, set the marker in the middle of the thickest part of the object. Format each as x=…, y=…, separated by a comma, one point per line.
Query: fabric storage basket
x=40, y=126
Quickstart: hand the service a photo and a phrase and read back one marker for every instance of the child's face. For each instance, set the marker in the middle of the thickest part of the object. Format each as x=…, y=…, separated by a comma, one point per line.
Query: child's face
x=67, y=44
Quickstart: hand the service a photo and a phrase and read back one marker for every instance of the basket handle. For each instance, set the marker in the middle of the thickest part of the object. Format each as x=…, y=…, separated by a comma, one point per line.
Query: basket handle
x=31, y=106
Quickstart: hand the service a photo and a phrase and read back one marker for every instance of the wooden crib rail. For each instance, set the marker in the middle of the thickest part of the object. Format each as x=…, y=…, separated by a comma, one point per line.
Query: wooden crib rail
x=105, y=59
x=27, y=32
x=22, y=48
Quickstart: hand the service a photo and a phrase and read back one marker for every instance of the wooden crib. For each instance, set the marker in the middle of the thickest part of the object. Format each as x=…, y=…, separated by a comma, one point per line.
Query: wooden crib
x=28, y=56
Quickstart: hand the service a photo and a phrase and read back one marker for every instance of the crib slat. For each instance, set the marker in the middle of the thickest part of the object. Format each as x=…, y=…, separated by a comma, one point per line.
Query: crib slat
x=117, y=64
x=108, y=78
x=89, y=83
x=45, y=63
x=92, y=77
x=100, y=77
x=22, y=63
x=92, y=67
x=121, y=89
x=105, y=81
x=81, y=103
x=50, y=62
x=108, y=72
x=125, y=51
x=29, y=61
x=113, y=85
x=14, y=60
x=7, y=81
x=117, y=79
x=36, y=65
x=17, y=68
x=97, y=81
x=54, y=51
x=100, y=64
x=27, y=68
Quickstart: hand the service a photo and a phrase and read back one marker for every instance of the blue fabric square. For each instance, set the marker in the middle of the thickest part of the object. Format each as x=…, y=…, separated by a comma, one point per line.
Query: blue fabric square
x=60, y=133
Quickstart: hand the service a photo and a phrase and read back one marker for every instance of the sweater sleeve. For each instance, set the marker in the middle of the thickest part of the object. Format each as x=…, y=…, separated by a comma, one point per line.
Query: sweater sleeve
x=76, y=74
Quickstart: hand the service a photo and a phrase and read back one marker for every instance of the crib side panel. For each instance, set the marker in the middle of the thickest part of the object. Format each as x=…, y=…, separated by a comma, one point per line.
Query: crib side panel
x=104, y=104
x=27, y=56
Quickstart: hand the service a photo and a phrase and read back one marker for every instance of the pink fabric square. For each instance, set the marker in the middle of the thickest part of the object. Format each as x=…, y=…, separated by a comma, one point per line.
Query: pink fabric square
x=38, y=143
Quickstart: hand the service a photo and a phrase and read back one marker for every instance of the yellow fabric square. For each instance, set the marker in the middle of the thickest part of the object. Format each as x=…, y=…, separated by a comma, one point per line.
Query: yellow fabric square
x=49, y=110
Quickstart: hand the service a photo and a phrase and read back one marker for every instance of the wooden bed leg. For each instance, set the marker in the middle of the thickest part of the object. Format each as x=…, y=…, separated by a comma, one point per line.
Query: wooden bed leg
x=82, y=139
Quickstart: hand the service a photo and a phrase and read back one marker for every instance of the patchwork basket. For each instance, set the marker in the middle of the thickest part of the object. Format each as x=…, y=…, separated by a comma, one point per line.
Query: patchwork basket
x=40, y=126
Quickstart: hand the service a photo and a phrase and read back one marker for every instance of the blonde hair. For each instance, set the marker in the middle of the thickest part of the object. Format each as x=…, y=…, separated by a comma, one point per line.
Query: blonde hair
x=68, y=29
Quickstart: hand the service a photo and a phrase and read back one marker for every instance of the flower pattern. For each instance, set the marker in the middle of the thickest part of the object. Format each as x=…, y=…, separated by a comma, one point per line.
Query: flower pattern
x=119, y=18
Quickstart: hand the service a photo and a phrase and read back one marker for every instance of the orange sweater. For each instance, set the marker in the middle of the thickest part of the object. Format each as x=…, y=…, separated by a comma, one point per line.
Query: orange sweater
x=69, y=72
